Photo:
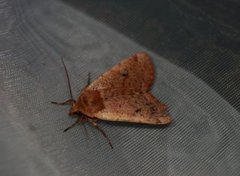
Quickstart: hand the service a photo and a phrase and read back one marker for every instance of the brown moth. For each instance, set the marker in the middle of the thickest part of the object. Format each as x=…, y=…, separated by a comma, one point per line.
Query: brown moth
x=121, y=94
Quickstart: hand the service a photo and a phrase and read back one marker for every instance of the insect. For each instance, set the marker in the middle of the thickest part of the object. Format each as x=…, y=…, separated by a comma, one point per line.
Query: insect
x=121, y=94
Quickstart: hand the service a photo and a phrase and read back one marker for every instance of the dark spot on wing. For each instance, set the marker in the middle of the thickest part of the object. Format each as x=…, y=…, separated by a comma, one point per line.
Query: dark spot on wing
x=138, y=110
x=124, y=73
x=153, y=108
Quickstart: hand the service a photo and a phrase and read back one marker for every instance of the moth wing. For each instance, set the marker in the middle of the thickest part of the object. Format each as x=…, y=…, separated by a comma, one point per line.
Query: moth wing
x=134, y=74
x=137, y=108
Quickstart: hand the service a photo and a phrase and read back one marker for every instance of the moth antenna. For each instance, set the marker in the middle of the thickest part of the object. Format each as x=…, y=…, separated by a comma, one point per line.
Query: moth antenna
x=68, y=80
x=102, y=132
x=89, y=78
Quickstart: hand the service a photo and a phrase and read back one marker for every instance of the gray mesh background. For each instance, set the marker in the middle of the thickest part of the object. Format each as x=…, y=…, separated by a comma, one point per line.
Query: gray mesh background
x=203, y=139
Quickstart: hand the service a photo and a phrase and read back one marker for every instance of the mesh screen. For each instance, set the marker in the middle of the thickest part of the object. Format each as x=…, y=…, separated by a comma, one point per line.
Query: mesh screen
x=202, y=140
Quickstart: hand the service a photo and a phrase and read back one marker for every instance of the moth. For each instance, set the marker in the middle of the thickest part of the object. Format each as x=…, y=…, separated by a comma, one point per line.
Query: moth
x=120, y=94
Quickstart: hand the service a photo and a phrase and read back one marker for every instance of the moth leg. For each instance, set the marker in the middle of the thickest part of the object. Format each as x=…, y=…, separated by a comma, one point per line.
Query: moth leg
x=78, y=121
x=101, y=131
x=68, y=102
x=85, y=130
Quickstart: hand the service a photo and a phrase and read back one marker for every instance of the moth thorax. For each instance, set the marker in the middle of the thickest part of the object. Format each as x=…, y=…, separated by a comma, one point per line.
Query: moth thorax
x=90, y=102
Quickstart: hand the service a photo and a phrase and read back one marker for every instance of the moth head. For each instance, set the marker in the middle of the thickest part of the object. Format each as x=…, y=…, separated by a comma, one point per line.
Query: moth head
x=73, y=110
